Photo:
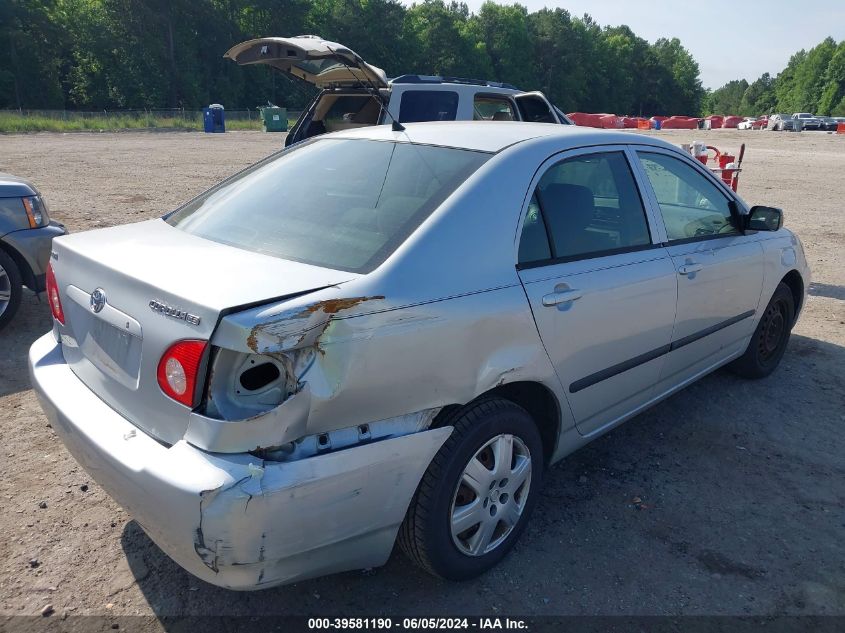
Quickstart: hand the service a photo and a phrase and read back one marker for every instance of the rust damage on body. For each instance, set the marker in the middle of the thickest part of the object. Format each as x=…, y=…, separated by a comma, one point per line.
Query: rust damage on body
x=284, y=329
x=333, y=306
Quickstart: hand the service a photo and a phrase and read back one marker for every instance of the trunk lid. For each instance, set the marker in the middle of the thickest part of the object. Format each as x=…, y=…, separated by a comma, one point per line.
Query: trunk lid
x=310, y=58
x=130, y=292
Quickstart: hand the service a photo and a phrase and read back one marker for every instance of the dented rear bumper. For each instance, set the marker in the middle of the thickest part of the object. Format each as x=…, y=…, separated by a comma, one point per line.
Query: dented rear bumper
x=232, y=519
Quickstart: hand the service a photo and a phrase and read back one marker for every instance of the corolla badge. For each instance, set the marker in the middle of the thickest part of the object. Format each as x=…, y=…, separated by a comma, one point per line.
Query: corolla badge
x=173, y=313
x=98, y=300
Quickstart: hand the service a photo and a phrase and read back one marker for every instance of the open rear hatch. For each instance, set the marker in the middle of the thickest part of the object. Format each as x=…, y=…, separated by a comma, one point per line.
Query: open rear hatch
x=132, y=291
x=310, y=58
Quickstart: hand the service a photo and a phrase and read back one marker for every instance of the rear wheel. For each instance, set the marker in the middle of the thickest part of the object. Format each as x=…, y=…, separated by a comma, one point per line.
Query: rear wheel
x=476, y=496
x=10, y=288
x=768, y=343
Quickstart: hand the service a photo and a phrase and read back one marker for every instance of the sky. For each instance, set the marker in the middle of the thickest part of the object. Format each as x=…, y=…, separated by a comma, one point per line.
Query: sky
x=730, y=39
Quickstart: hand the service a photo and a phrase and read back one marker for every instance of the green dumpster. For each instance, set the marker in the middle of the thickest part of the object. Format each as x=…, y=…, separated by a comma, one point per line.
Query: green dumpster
x=275, y=119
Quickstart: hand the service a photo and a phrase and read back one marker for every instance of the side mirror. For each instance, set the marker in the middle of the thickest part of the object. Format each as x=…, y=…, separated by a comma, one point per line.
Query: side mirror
x=762, y=218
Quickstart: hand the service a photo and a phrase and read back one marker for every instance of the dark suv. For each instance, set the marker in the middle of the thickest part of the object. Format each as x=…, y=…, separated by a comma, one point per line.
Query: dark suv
x=26, y=234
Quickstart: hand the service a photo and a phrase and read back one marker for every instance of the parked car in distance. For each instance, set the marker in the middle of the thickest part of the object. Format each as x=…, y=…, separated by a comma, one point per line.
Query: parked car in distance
x=753, y=123
x=828, y=124
x=25, y=235
x=780, y=123
x=412, y=325
x=349, y=85
x=807, y=121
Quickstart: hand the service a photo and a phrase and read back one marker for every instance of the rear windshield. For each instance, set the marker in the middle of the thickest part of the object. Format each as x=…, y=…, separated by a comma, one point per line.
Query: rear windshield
x=335, y=203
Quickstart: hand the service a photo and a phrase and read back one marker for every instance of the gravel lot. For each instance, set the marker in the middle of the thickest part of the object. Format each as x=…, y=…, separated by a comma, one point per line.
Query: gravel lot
x=742, y=484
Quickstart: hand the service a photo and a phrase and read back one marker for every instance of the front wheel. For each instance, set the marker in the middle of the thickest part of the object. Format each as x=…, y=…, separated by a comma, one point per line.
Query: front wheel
x=768, y=343
x=476, y=496
x=10, y=288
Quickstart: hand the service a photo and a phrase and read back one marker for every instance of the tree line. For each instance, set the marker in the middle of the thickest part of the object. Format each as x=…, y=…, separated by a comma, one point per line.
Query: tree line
x=813, y=81
x=133, y=54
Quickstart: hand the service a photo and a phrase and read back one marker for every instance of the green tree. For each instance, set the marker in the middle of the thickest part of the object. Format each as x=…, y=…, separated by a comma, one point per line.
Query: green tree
x=565, y=55
x=30, y=68
x=683, y=93
x=504, y=32
x=115, y=54
x=759, y=98
x=832, y=99
x=443, y=41
x=727, y=99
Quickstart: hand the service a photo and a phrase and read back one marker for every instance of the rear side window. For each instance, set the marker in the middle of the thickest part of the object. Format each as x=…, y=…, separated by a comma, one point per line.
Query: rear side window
x=586, y=206
x=337, y=203
x=428, y=105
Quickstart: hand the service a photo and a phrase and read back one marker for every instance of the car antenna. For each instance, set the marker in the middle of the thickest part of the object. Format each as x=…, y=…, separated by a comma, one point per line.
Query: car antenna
x=395, y=125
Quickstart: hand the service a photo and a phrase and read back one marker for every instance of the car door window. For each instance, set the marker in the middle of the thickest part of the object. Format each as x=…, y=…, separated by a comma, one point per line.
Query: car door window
x=585, y=206
x=428, y=105
x=492, y=108
x=534, y=109
x=692, y=207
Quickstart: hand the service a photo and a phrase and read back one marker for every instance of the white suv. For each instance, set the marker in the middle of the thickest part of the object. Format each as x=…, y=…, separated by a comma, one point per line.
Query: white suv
x=355, y=93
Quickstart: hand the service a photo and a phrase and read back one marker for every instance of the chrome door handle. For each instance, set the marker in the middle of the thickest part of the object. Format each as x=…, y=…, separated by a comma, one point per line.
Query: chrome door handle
x=688, y=269
x=562, y=296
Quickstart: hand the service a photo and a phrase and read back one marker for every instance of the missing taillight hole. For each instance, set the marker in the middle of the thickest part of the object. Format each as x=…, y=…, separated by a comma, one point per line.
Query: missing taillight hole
x=259, y=376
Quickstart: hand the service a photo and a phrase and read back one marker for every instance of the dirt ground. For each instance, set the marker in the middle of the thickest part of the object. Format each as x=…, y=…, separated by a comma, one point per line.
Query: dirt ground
x=742, y=483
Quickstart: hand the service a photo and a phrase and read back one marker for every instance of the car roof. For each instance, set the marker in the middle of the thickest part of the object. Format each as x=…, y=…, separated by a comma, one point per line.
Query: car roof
x=494, y=136
x=437, y=79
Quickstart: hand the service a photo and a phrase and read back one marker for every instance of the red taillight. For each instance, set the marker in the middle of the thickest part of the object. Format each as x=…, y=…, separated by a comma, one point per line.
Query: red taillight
x=53, y=296
x=178, y=369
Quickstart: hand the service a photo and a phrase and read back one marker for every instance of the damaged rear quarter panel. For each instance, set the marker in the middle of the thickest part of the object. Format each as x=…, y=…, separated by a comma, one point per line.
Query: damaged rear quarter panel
x=397, y=359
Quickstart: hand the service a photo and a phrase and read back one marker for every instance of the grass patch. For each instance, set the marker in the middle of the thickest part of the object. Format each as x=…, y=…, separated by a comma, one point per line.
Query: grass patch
x=15, y=123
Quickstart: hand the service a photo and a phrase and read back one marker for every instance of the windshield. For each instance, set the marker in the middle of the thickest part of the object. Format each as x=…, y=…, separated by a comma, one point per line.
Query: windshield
x=336, y=203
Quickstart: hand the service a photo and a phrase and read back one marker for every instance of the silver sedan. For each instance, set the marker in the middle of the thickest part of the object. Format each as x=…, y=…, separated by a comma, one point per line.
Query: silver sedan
x=384, y=335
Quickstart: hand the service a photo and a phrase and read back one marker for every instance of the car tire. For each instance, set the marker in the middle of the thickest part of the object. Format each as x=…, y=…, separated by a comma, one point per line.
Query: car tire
x=430, y=535
x=768, y=343
x=10, y=288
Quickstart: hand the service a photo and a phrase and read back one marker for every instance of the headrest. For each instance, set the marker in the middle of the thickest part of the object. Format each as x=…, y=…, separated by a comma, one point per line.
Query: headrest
x=573, y=204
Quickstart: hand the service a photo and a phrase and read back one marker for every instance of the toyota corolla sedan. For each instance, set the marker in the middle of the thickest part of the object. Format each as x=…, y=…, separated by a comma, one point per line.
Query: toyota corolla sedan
x=381, y=335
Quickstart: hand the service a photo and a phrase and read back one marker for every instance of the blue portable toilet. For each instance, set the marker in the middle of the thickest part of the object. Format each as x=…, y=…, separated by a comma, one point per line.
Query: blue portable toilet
x=214, y=119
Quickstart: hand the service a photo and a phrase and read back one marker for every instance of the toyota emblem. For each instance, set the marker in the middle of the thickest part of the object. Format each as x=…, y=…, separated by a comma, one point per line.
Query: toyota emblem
x=98, y=299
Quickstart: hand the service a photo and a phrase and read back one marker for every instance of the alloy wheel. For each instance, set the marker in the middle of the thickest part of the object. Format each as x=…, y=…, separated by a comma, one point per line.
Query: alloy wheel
x=491, y=495
x=5, y=290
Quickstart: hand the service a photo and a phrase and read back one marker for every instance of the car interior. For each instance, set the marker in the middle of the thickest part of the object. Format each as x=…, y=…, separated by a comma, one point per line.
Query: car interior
x=586, y=205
